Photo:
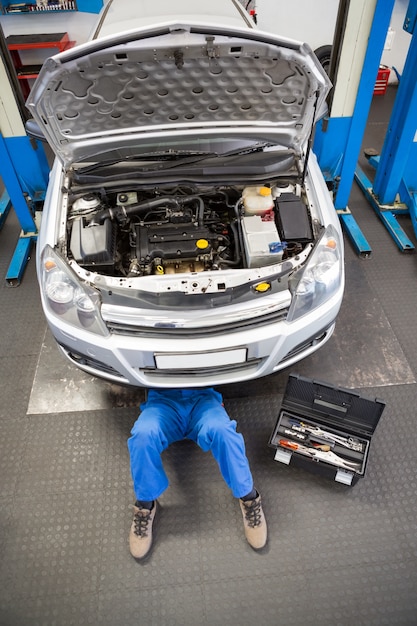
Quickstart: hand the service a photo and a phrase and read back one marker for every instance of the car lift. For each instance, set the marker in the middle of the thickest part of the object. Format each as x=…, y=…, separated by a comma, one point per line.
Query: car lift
x=23, y=167
x=360, y=35
x=394, y=190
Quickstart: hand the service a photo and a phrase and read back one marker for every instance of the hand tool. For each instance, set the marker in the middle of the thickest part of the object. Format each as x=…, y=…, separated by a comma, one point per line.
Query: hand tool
x=295, y=434
x=325, y=455
x=320, y=446
x=347, y=442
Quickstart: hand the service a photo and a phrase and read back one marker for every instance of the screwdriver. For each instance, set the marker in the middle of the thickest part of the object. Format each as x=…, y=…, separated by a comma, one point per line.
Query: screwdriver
x=295, y=446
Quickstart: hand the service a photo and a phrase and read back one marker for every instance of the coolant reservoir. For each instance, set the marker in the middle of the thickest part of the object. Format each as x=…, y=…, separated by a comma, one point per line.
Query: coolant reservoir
x=257, y=200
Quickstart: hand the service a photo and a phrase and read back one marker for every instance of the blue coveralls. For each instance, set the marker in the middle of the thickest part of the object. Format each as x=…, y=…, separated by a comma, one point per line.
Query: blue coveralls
x=176, y=414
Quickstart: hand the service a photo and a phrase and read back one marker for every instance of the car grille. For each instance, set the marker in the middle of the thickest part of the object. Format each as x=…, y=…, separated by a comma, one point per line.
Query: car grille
x=187, y=374
x=162, y=331
x=313, y=341
x=93, y=364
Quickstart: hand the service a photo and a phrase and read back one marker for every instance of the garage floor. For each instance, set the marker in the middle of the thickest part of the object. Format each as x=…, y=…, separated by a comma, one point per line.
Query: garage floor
x=336, y=554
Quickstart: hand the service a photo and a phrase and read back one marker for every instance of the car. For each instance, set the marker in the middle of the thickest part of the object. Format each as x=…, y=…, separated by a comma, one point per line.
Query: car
x=188, y=236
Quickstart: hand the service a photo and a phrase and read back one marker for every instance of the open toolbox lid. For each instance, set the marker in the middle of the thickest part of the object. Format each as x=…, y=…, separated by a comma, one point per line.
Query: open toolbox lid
x=335, y=406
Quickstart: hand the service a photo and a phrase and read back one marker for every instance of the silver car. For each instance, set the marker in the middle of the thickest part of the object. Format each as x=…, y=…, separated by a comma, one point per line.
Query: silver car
x=188, y=236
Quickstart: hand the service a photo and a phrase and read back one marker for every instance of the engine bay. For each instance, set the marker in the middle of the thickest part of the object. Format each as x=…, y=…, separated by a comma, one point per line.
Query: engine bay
x=186, y=229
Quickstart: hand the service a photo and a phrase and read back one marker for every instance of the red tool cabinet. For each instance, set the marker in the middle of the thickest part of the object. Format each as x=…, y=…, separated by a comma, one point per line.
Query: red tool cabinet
x=382, y=80
x=18, y=43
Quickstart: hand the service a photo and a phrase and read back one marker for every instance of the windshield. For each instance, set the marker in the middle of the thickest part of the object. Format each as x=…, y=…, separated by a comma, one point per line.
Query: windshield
x=202, y=157
x=172, y=147
x=242, y=165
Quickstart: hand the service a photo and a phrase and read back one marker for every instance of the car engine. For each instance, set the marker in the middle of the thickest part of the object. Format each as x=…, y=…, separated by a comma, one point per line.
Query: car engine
x=131, y=233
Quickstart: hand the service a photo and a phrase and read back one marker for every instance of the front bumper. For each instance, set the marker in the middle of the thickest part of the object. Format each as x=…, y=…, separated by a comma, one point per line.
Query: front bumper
x=207, y=361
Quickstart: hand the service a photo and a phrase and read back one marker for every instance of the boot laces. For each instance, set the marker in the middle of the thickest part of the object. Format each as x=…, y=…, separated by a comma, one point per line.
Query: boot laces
x=253, y=513
x=141, y=522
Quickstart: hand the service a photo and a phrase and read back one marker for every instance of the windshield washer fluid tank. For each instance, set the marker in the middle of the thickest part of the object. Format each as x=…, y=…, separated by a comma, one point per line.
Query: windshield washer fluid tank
x=257, y=200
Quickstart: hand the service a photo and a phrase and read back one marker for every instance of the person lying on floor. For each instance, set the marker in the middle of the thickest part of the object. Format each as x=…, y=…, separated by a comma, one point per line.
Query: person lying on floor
x=170, y=415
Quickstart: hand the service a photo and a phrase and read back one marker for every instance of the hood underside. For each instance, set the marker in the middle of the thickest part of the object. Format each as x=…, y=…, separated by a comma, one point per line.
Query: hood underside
x=177, y=78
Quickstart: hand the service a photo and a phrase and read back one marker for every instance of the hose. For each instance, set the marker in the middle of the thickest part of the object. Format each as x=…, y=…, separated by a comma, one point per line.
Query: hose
x=122, y=212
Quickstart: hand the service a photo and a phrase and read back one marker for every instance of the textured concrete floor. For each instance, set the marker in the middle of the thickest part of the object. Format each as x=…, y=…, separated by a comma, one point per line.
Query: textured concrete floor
x=336, y=555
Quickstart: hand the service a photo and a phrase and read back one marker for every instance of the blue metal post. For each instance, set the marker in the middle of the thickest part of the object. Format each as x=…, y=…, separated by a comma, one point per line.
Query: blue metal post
x=394, y=190
x=400, y=141
x=387, y=214
x=377, y=36
x=338, y=139
x=11, y=180
x=5, y=205
x=30, y=180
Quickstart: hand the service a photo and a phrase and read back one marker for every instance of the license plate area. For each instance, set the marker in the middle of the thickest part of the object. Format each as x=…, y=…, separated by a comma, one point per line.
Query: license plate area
x=199, y=360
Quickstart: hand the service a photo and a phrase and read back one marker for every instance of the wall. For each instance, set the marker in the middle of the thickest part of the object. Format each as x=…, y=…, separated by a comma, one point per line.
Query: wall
x=313, y=21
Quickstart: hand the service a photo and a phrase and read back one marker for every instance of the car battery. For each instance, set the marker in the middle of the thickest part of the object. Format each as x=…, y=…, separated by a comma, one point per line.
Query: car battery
x=262, y=243
x=325, y=429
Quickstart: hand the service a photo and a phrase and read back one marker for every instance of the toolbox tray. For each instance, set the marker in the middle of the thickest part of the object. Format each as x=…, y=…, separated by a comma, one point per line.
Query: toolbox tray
x=314, y=413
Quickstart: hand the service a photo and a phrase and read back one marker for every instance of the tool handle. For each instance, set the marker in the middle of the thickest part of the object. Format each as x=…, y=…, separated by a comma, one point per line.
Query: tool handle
x=324, y=447
x=288, y=444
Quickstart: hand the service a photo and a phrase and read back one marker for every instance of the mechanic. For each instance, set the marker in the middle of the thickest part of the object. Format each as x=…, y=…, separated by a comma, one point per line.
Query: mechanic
x=197, y=414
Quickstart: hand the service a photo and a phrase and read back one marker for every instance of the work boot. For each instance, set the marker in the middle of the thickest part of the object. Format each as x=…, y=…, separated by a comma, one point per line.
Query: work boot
x=254, y=522
x=140, y=538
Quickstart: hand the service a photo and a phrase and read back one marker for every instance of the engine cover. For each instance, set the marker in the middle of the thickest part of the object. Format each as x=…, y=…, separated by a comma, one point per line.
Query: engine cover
x=168, y=241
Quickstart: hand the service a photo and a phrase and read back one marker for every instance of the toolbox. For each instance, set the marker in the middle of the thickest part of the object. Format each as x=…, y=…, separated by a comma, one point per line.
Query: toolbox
x=325, y=429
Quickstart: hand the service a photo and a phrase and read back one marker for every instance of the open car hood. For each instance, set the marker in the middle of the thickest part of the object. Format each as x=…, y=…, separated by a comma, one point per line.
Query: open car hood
x=177, y=79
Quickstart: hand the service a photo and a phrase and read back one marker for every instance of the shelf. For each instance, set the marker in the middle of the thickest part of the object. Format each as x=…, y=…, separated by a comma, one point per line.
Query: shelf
x=17, y=43
x=28, y=71
x=60, y=41
x=49, y=7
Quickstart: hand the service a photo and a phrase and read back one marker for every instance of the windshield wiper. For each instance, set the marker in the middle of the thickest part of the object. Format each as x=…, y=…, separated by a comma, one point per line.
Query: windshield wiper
x=256, y=147
x=259, y=147
x=170, y=155
x=174, y=158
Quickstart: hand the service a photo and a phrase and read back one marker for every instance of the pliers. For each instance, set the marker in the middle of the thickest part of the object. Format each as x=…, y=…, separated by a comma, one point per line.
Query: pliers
x=347, y=442
x=315, y=453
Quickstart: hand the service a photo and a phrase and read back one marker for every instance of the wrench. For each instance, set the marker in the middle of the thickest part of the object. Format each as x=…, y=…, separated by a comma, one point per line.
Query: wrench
x=328, y=456
x=347, y=442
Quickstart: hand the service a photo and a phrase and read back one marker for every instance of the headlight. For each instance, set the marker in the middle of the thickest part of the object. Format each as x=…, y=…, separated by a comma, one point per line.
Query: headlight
x=321, y=277
x=67, y=298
